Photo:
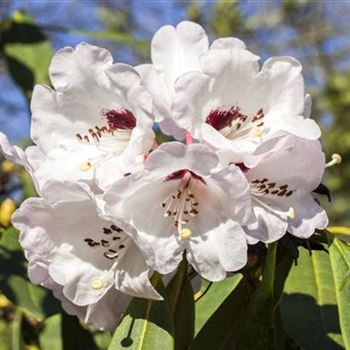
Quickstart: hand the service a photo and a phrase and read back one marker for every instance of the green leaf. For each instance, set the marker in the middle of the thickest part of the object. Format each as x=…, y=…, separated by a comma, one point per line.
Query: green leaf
x=309, y=306
x=260, y=317
x=181, y=302
x=27, y=53
x=339, y=253
x=223, y=324
x=75, y=336
x=146, y=325
x=17, y=341
x=50, y=336
x=14, y=283
x=213, y=298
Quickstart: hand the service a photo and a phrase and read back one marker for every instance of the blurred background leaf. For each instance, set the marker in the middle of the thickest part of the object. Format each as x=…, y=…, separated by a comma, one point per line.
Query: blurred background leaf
x=14, y=283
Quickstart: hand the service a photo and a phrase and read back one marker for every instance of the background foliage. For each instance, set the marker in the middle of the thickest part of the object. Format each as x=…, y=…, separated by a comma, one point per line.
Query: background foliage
x=317, y=33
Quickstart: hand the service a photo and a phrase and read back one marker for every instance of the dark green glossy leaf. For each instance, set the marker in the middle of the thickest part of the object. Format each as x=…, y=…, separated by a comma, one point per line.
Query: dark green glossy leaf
x=213, y=298
x=309, y=305
x=181, y=302
x=146, y=325
x=223, y=324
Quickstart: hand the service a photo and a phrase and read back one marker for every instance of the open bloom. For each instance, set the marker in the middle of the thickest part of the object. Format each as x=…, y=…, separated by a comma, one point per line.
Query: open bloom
x=86, y=260
x=178, y=202
x=282, y=173
x=176, y=51
x=96, y=124
x=231, y=105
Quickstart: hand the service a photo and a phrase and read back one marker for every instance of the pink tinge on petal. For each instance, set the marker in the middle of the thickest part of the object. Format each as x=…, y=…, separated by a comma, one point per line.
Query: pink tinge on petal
x=180, y=174
x=223, y=117
x=188, y=138
x=120, y=118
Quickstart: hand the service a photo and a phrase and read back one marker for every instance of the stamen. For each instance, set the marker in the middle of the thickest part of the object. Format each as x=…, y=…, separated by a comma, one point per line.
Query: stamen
x=97, y=284
x=185, y=234
x=182, y=204
x=85, y=166
x=336, y=159
x=291, y=213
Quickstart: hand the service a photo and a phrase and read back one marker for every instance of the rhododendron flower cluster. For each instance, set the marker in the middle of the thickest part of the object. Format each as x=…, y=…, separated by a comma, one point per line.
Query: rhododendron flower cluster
x=115, y=206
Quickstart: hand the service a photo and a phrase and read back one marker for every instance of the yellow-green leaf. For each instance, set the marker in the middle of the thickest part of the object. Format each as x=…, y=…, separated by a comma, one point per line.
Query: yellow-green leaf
x=146, y=325
x=340, y=262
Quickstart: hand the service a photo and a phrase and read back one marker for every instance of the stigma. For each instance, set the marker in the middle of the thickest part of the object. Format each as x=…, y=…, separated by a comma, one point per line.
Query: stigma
x=85, y=166
x=97, y=284
x=336, y=159
x=185, y=234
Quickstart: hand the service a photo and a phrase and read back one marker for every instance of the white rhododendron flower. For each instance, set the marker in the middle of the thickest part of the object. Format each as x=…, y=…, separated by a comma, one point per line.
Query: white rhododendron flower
x=96, y=123
x=282, y=173
x=176, y=51
x=91, y=261
x=179, y=203
x=232, y=105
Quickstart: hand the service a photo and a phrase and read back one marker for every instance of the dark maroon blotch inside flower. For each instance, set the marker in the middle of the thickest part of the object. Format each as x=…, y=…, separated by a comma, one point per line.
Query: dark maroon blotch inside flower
x=242, y=166
x=222, y=117
x=180, y=174
x=120, y=118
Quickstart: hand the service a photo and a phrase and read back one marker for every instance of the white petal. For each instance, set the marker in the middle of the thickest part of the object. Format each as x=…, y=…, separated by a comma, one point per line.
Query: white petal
x=67, y=64
x=192, y=95
x=269, y=227
x=295, y=124
x=218, y=251
x=230, y=186
x=291, y=160
x=77, y=277
x=132, y=275
x=218, y=141
x=106, y=314
x=64, y=165
x=13, y=153
x=173, y=156
x=284, y=86
x=228, y=43
x=309, y=216
x=154, y=81
x=176, y=51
